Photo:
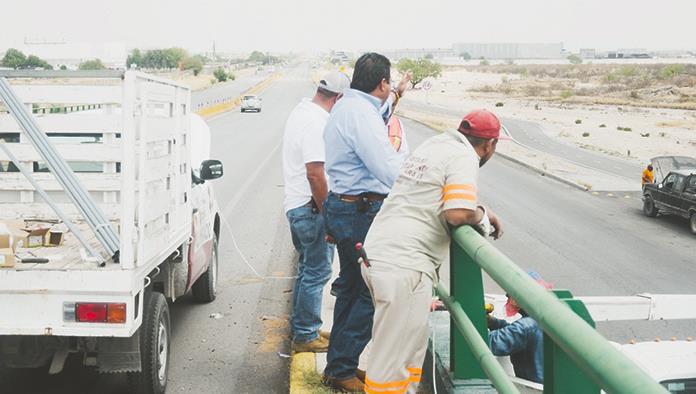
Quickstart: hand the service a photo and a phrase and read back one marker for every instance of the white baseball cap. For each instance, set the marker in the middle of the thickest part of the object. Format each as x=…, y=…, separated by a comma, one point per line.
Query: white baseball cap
x=335, y=82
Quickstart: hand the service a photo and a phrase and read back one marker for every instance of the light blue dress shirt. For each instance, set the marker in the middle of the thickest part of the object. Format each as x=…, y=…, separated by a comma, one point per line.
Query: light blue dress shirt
x=359, y=157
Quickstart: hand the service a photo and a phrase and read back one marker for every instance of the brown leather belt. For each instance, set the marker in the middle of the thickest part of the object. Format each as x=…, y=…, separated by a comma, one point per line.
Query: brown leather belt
x=371, y=197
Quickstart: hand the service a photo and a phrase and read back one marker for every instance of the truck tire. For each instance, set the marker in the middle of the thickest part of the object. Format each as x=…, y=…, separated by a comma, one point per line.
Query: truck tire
x=205, y=288
x=155, y=335
x=692, y=222
x=649, y=208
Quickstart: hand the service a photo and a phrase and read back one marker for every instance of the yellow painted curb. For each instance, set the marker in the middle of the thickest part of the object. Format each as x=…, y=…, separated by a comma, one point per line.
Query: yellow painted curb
x=301, y=364
x=217, y=109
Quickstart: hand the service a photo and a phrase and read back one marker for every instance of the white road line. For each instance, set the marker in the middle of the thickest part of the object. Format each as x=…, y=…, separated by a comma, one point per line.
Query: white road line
x=250, y=180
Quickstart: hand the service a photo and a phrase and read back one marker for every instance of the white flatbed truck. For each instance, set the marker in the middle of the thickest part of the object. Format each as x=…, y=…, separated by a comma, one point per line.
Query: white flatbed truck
x=137, y=148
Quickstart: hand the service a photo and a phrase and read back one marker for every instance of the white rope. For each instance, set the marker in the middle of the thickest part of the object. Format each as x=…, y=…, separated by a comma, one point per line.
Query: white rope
x=243, y=257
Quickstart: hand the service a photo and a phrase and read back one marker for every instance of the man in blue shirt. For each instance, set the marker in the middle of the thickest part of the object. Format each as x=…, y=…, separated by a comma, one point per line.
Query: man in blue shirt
x=522, y=340
x=362, y=166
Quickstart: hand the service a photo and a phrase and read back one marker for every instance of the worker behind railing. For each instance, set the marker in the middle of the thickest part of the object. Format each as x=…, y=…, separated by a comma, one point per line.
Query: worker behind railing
x=410, y=236
x=522, y=340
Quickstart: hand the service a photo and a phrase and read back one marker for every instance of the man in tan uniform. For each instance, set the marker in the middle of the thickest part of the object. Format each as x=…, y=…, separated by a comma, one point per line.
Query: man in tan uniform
x=409, y=239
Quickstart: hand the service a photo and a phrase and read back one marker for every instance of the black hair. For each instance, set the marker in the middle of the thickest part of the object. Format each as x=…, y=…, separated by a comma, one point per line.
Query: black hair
x=370, y=69
x=476, y=141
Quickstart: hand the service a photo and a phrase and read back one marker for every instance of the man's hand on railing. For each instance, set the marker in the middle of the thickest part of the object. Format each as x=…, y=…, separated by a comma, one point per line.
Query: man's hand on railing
x=495, y=222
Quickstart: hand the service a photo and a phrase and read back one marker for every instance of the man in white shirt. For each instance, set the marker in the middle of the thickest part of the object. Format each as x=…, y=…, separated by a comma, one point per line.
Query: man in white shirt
x=305, y=191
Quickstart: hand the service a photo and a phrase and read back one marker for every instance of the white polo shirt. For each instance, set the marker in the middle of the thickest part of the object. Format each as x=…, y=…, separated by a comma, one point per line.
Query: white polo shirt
x=410, y=229
x=303, y=142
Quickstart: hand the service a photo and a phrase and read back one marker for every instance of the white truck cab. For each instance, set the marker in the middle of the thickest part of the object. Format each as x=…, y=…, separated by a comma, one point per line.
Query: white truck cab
x=149, y=172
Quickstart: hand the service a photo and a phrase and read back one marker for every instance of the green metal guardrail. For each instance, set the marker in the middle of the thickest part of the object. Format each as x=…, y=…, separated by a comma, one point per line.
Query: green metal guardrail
x=577, y=359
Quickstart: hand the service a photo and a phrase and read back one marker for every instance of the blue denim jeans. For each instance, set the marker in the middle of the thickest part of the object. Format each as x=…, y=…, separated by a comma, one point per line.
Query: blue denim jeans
x=314, y=271
x=523, y=341
x=353, y=313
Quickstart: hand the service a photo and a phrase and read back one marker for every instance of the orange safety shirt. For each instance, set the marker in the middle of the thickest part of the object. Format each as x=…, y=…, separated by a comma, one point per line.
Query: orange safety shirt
x=647, y=177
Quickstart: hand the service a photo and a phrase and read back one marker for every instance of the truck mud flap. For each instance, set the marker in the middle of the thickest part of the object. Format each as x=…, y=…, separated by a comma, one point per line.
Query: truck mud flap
x=118, y=355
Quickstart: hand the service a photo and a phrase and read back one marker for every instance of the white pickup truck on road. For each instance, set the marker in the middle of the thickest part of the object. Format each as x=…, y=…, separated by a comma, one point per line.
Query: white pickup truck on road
x=141, y=154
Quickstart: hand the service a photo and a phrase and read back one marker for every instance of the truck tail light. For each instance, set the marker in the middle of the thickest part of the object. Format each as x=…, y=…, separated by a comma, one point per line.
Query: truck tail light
x=91, y=312
x=116, y=313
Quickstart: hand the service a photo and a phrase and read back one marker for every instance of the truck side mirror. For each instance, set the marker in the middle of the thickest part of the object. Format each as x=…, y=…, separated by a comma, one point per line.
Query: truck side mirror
x=211, y=169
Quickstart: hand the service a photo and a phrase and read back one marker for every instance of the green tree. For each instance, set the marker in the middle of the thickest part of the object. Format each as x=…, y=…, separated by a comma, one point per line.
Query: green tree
x=220, y=75
x=574, y=59
x=259, y=57
x=155, y=59
x=420, y=69
x=34, y=62
x=94, y=64
x=13, y=58
x=175, y=56
x=429, y=56
x=484, y=62
x=63, y=67
x=465, y=55
x=135, y=59
x=193, y=63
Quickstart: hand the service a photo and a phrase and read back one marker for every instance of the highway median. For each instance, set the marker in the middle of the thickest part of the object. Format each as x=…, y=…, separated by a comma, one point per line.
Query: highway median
x=228, y=105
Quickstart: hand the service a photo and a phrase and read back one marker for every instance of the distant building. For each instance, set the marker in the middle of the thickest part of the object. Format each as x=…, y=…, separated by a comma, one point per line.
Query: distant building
x=588, y=53
x=418, y=53
x=633, y=53
x=627, y=54
x=510, y=50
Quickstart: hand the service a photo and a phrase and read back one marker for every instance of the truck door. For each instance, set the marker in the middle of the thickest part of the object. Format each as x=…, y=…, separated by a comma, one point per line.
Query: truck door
x=665, y=199
x=688, y=199
x=202, y=232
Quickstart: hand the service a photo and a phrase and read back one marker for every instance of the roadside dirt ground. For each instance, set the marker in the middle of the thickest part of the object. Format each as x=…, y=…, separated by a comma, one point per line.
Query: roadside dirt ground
x=634, y=131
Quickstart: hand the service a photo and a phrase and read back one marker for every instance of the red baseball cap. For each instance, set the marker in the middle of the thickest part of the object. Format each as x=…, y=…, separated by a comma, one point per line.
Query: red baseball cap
x=481, y=123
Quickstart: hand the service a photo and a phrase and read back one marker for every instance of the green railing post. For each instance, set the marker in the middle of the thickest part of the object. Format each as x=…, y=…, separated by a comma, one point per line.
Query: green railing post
x=466, y=287
x=561, y=375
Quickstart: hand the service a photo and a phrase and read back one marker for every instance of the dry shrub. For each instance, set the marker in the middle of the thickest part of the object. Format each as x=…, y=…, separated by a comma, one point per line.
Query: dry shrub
x=533, y=90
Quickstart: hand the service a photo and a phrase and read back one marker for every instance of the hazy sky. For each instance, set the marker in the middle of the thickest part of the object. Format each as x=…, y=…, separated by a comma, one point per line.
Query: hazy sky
x=307, y=25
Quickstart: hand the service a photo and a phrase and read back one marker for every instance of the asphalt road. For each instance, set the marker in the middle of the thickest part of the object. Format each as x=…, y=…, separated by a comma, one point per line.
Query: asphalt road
x=599, y=245
x=224, y=91
x=590, y=244
x=532, y=135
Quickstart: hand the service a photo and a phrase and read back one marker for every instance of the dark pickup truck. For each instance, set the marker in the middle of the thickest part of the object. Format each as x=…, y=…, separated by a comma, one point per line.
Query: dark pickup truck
x=675, y=195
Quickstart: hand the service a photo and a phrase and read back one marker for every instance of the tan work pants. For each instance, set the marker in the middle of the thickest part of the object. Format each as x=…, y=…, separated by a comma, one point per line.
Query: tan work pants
x=402, y=300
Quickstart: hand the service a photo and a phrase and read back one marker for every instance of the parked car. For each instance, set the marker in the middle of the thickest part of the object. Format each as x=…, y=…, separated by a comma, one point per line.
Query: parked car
x=251, y=103
x=675, y=195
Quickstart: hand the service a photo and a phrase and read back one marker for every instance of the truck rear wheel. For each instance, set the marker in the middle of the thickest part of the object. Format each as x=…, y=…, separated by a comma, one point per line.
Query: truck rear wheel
x=649, y=208
x=205, y=288
x=692, y=223
x=155, y=335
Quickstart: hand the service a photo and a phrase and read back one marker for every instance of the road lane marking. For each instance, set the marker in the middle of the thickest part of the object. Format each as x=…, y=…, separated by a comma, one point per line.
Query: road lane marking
x=250, y=180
